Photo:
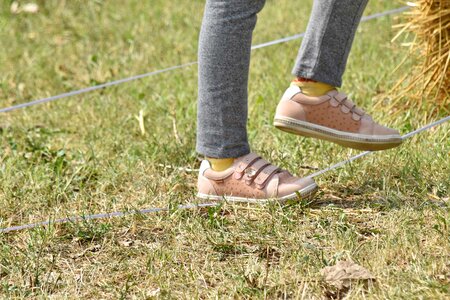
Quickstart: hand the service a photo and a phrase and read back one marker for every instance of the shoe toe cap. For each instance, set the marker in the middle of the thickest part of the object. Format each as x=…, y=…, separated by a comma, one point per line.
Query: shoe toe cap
x=370, y=127
x=295, y=185
x=383, y=130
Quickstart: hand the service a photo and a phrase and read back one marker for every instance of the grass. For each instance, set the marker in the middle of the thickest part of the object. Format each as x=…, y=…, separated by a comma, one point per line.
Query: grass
x=389, y=212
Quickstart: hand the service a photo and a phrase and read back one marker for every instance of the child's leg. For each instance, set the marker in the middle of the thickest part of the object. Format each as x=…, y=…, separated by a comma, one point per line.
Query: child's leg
x=230, y=171
x=224, y=56
x=312, y=106
x=328, y=39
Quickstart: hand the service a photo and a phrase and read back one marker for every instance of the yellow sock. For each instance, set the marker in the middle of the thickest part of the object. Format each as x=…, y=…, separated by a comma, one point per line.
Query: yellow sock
x=313, y=88
x=220, y=164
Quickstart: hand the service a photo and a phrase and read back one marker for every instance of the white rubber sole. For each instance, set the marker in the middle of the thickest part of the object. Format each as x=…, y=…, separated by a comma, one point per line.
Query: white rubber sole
x=346, y=139
x=304, y=193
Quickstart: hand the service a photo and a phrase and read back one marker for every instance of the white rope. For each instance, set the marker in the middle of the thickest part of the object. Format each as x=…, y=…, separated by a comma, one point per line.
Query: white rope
x=100, y=216
x=132, y=78
x=191, y=206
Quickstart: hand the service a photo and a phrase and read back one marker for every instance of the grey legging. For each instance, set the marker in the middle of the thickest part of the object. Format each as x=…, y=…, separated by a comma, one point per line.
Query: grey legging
x=224, y=57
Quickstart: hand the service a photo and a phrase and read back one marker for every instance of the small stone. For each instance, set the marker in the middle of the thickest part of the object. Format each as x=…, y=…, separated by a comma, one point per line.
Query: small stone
x=14, y=8
x=153, y=293
x=30, y=8
x=126, y=243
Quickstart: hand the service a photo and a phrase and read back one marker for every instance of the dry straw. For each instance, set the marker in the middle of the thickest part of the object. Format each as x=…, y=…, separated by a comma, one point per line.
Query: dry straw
x=427, y=86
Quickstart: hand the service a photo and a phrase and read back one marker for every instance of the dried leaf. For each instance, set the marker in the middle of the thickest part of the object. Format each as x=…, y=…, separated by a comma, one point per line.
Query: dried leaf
x=344, y=272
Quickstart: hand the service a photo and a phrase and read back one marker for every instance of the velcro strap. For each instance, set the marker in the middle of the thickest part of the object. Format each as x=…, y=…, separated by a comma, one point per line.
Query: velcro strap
x=345, y=109
x=247, y=161
x=349, y=103
x=340, y=97
x=334, y=102
x=356, y=117
x=358, y=111
x=265, y=174
x=259, y=165
x=255, y=169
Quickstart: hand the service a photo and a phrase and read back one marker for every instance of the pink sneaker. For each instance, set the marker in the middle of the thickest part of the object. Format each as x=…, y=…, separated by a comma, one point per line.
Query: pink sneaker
x=332, y=117
x=252, y=179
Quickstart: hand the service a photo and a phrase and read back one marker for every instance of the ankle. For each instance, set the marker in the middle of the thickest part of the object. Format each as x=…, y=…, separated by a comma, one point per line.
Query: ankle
x=311, y=87
x=220, y=164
